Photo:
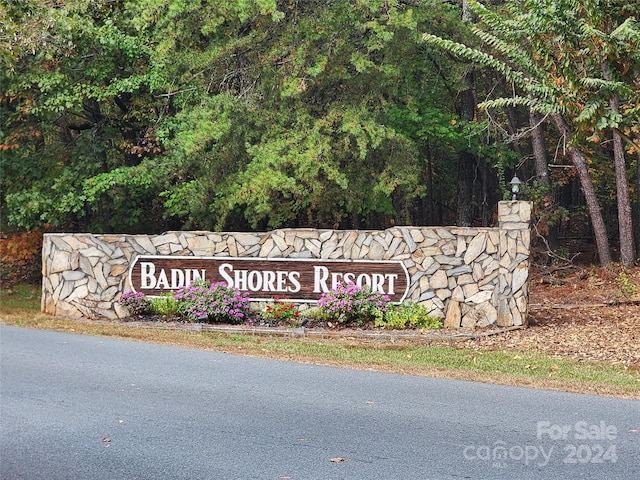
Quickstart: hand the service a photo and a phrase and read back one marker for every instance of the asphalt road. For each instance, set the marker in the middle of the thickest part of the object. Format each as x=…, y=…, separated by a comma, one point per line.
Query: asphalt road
x=81, y=407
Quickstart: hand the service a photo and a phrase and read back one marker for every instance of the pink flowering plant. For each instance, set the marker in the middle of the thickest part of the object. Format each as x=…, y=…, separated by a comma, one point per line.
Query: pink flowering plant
x=350, y=303
x=212, y=303
x=135, y=302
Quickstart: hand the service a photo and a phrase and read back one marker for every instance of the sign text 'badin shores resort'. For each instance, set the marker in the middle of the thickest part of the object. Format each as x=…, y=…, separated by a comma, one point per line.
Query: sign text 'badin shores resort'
x=296, y=279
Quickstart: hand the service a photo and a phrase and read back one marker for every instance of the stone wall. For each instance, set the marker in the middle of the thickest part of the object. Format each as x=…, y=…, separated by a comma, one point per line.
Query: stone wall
x=471, y=277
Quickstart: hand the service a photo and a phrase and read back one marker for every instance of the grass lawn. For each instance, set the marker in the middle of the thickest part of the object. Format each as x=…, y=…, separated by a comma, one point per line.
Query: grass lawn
x=21, y=307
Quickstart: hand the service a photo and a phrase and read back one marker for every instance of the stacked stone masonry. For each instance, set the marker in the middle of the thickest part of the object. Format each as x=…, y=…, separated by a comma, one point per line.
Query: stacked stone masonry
x=470, y=277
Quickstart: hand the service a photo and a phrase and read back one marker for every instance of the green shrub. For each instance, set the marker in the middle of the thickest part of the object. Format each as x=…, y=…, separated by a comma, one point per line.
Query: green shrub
x=407, y=315
x=164, y=305
x=316, y=313
x=627, y=286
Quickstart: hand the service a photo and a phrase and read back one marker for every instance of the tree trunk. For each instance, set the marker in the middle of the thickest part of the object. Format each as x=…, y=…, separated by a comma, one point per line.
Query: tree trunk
x=466, y=160
x=597, y=222
x=466, y=169
x=539, y=148
x=625, y=222
x=542, y=171
x=638, y=198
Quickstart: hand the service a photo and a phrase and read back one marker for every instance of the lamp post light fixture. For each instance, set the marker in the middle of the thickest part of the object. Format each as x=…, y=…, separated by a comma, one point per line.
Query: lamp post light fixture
x=515, y=187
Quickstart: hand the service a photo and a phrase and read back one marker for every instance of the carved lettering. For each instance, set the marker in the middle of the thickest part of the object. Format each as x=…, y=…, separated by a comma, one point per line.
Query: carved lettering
x=306, y=280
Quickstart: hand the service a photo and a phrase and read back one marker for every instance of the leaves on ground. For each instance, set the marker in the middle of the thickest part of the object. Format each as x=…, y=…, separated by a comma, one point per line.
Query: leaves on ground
x=583, y=316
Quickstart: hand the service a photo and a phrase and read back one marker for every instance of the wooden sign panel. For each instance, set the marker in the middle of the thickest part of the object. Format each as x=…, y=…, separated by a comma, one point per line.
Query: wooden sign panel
x=298, y=280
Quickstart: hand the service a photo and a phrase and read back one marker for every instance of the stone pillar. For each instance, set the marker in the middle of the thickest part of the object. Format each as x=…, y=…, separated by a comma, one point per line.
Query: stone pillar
x=83, y=275
x=514, y=219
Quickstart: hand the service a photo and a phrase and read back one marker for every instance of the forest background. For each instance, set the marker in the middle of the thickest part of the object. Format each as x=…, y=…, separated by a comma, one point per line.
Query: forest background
x=142, y=116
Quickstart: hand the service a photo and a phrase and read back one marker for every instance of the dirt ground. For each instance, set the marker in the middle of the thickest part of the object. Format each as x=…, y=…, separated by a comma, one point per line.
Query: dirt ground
x=580, y=312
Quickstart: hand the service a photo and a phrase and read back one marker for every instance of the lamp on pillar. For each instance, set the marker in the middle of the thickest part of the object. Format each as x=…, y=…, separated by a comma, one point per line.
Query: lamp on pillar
x=515, y=187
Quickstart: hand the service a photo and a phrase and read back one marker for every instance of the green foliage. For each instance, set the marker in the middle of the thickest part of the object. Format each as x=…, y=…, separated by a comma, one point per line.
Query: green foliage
x=316, y=313
x=149, y=115
x=165, y=305
x=628, y=284
x=309, y=142
x=561, y=255
x=407, y=315
x=137, y=116
x=77, y=102
x=556, y=53
x=578, y=62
